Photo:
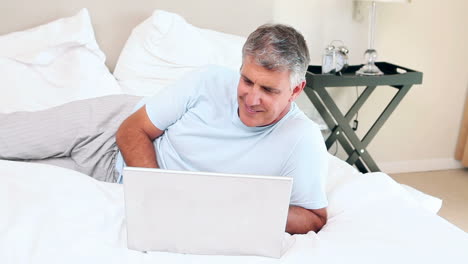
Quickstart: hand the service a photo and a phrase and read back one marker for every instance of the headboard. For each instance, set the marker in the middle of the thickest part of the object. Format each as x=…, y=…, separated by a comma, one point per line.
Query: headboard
x=113, y=20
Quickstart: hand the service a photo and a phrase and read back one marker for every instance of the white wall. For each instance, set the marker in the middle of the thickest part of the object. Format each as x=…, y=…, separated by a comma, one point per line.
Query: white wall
x=322, y=22
x=429, y=36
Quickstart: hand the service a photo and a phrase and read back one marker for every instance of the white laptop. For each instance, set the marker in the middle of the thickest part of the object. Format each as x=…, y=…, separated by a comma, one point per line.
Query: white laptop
x=205, y=213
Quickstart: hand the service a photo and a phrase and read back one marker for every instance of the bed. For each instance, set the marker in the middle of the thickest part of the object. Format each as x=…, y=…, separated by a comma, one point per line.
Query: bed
x=50, y=214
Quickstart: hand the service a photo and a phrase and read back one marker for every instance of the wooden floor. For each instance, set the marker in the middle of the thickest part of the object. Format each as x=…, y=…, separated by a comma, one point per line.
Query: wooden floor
x=450, y=185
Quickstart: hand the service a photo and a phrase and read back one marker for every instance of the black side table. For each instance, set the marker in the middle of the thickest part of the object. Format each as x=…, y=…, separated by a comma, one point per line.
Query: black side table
x=394, y=76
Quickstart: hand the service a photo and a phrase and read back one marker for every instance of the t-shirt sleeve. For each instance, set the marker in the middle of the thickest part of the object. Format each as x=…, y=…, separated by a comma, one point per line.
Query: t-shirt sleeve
x=169, y=105
x=308, y=166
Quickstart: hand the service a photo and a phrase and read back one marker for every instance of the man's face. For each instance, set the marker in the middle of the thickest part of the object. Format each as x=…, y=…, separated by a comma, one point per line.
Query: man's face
x=264, y=96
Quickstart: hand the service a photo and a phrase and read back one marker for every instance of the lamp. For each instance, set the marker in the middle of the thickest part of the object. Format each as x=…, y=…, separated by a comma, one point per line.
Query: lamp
x=369, y=68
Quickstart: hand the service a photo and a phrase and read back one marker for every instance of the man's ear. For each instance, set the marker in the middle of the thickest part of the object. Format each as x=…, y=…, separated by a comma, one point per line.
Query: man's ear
x=297, y=90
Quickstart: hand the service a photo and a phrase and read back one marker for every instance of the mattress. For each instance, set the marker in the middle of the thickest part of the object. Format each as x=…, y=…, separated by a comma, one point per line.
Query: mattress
x=55, y=215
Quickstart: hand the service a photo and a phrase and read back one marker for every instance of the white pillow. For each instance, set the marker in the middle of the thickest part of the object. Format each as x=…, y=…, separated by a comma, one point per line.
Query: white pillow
x=165, y=47
x=341, y=174
x=430, y=203
x=52, y=64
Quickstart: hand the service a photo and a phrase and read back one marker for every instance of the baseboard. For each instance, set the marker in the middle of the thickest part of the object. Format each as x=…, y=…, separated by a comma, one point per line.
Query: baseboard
x=419, y=165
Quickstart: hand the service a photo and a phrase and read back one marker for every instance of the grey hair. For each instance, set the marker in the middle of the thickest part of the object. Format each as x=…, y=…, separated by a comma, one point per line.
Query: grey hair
x=279, y=47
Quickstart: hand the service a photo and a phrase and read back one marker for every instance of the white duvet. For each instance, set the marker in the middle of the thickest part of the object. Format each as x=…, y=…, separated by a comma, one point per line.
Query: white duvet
x=54, y=215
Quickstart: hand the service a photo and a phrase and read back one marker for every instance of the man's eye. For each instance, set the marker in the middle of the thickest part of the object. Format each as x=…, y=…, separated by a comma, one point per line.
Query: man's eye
x=270, y=90
x=248, y=82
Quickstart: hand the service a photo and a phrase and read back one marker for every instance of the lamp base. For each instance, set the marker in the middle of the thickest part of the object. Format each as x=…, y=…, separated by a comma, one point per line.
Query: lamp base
x=369, y=68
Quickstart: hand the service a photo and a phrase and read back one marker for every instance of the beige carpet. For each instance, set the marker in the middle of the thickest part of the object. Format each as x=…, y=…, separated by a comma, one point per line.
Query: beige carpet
x=450, y=185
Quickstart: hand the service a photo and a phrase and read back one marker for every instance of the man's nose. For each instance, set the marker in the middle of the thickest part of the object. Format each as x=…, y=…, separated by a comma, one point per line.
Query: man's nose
x=253, y=97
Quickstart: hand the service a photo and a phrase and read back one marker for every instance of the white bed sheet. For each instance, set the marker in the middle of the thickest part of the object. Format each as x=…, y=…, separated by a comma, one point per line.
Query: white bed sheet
x=54, y=215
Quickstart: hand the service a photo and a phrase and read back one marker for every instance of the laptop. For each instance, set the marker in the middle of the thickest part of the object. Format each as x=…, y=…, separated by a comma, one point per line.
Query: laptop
x=205, y=213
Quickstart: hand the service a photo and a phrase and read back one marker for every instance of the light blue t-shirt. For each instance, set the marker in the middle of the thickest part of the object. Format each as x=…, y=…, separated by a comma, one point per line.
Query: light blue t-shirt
x=203, y=132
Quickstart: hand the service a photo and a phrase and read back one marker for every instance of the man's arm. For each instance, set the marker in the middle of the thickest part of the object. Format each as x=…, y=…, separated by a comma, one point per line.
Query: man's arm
x=301, y=220
x=135, y=140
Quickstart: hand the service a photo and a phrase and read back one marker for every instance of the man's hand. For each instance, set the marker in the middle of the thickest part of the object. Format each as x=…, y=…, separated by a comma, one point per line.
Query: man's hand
x=135, y=140
x=301, y=220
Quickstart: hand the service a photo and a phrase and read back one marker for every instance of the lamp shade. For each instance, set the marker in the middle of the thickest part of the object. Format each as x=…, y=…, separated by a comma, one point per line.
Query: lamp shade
x=389, y=1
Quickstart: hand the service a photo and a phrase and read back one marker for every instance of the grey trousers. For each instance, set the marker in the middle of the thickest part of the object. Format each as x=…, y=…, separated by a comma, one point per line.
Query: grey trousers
x=79, y=135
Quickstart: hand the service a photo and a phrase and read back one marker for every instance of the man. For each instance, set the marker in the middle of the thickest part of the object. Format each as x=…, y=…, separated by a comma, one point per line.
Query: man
x=211, y=120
